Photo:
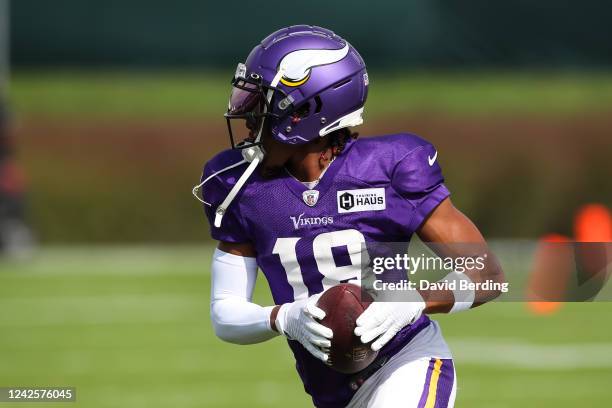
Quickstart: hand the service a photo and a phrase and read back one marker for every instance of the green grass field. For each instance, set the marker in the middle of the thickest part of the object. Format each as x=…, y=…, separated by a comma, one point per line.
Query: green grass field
x=129, y=327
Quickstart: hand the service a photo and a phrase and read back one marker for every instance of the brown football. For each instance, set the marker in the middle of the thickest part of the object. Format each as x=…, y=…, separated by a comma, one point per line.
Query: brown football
x=343, y=304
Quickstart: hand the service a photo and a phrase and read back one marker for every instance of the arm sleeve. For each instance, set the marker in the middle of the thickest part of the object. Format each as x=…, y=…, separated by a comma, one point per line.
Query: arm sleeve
x=418, y=178
x=233, y=227
x=234, y=317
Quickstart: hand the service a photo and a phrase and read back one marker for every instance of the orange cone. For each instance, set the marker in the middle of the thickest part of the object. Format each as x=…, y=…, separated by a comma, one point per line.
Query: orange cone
x=593, y=223
x=593, y=231
x=553, y=264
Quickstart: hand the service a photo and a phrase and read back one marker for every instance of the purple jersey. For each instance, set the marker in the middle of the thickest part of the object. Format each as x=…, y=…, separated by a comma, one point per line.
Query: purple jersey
x=379, y=189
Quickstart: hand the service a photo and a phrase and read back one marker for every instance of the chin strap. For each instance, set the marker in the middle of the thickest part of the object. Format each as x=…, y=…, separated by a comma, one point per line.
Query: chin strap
x=253, y=155
x=255, y=160
x=197, y=188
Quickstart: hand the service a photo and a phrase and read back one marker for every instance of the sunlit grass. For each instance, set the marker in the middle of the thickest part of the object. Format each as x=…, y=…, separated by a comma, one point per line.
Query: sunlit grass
x=129, y=326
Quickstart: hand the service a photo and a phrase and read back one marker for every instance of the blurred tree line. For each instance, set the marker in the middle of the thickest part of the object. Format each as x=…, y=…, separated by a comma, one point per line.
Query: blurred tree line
x=394, y=34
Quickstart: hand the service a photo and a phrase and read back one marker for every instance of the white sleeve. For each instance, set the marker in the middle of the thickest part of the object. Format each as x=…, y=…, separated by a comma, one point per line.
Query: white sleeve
x=235, y=318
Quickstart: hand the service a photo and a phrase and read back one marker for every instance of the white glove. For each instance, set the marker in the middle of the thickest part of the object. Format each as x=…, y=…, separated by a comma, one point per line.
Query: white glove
x=296, y=321
x=385, y=319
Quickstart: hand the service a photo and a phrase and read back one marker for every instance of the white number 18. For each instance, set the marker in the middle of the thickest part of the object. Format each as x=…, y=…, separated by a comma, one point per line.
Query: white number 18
x=322, y=246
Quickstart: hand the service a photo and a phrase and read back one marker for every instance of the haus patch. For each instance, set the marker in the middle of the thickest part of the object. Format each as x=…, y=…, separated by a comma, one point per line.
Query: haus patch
x=365, y=199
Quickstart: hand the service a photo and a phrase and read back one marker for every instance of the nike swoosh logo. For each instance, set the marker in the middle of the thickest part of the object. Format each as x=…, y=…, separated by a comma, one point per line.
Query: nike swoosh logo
x=432, y=160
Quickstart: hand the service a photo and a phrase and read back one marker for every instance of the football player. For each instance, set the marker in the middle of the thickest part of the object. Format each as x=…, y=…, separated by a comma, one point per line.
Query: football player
x=298, y=195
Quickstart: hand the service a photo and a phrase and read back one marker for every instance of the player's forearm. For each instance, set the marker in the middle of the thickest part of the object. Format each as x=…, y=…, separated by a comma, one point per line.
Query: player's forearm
x=237, y=321
x=234, y=317
x=475, y=292
x=450, y=234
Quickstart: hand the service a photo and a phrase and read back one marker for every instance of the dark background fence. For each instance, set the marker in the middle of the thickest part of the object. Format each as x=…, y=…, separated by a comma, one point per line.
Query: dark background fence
x=397, y=34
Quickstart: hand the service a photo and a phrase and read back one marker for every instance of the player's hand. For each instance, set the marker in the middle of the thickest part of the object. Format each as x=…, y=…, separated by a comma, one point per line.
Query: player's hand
x=298, y=321
x=383, y=320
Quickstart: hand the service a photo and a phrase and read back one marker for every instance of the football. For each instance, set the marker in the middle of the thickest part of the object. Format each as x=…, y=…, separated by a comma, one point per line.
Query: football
x=343, y=304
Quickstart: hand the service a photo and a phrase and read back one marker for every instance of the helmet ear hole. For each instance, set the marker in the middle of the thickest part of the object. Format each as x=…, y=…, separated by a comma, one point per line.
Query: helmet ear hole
x=303, y=111
x=318, y=104
x=342, y=83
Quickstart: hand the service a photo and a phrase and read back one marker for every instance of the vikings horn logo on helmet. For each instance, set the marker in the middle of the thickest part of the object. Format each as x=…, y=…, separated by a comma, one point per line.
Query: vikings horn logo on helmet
x=297, y=64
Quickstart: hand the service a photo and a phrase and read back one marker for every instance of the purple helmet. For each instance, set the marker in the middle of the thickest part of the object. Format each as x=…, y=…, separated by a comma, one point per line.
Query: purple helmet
x=304, y=80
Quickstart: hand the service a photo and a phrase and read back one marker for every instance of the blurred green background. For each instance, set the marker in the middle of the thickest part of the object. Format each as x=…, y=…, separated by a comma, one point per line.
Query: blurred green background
x=116, y=105
x=111, y=154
